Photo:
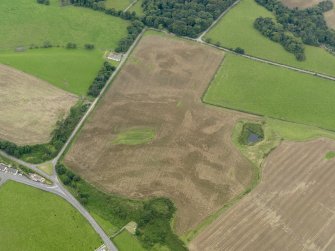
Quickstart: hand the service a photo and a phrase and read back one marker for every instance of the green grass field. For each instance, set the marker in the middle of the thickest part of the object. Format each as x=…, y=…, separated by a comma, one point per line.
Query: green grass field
x=70, y=70
x=236, y=29
x=135, y=136
x=127, y=242
x=275, y=92
x=118, y=4
x=34, y=220
x=137, y=8
x=25, y=22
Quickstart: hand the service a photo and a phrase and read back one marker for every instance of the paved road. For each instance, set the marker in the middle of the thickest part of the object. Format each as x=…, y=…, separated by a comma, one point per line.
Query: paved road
x=57, y=187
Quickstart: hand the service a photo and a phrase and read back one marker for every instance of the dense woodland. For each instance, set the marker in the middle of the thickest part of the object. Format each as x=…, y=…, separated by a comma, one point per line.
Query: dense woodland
x=277, y=33
x=308, y=24
x=184, y=18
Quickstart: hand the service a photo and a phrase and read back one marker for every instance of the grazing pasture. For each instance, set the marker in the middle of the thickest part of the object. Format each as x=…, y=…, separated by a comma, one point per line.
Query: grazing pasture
x=292, y=209
x=30, y=107
x=34, y=220
x=38, y=23
x=236, y=29
x=191, y=159
x=70, y=70
x=25, y=24
x=275, y=92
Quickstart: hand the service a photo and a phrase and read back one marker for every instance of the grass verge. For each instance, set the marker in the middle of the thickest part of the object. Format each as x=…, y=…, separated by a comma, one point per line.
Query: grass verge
x=38, y=23
x=127, y=242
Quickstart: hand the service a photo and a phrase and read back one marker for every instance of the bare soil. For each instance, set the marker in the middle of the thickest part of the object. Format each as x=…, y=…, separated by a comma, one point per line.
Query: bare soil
x=29, y=107
x=301, y=4
x=191, y=160
x=292, y=209
x=330, y=17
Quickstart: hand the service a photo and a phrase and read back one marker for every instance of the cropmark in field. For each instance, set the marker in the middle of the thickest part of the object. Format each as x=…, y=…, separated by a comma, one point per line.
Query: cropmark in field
x=178, y=147
x=292, y=209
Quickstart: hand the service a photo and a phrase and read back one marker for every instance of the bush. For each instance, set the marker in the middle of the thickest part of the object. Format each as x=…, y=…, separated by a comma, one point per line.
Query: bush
x=71, y=45
x=46, y=2
x=239, y=50
x=89, y=46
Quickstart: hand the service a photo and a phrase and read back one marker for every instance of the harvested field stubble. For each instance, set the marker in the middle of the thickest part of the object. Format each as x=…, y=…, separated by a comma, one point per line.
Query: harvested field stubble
x=30, y=107
x=301, y=4
x=191, y=160
x=292, y=209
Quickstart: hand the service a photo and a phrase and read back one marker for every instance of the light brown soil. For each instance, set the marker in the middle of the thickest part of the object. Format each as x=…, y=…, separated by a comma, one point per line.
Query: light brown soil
x=292, y=209
x=192, y=159
x=330, y=17
x=29, y=107
x=301, y=4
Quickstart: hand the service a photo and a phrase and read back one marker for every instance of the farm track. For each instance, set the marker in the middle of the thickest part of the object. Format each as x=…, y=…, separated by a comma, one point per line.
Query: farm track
x=292, y=209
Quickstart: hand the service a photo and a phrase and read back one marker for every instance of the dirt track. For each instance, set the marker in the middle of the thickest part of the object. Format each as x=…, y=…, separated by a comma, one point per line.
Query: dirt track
x=292, y=209
x=191, y=160
x=30, y=107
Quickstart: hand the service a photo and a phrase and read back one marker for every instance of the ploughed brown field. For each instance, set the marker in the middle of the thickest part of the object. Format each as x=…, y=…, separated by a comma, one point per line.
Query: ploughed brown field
x=29, y=107
x=191, y=160
x=292, y=209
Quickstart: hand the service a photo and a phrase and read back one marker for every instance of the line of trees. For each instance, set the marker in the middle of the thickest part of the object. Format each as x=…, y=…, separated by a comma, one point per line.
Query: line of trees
x=276, y=33
x=184, y=18
x=308, y=24
x=43, y=152
x=153, y=216
x=101, y=80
